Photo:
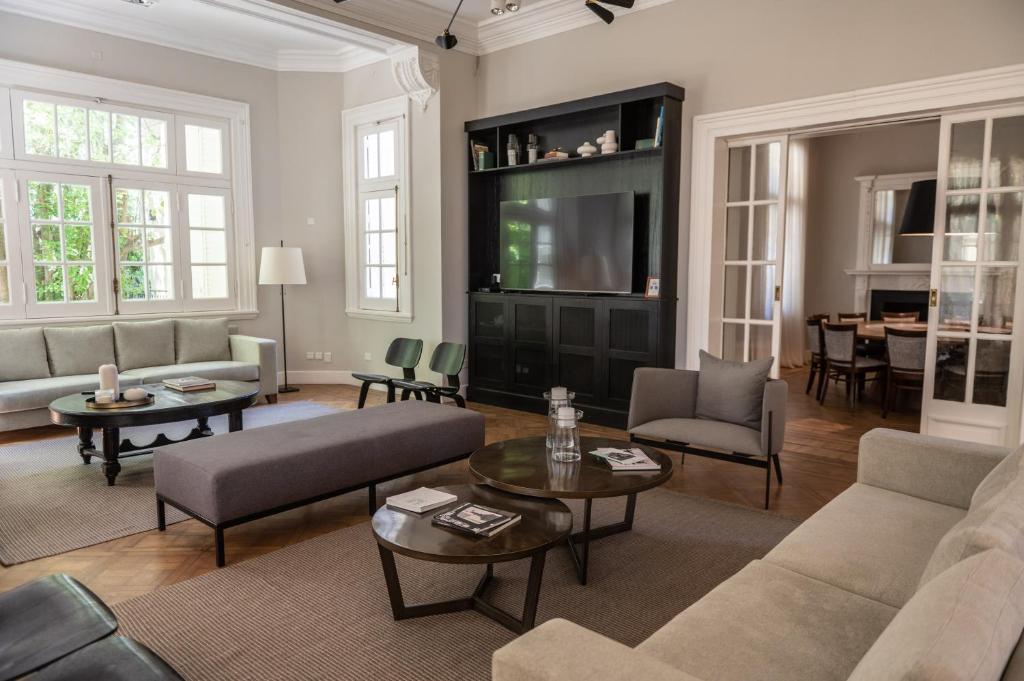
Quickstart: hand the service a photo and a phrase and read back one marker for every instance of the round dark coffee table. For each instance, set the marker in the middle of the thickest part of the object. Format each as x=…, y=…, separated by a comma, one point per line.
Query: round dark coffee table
x=169, y=406
x=545, y=523
x=524, y=466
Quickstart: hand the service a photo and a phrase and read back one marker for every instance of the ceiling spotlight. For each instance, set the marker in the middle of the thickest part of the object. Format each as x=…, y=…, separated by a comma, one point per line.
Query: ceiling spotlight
x=497, y=7
x=142, y=3
x=447, y=40
x=606, y=14
x=512, y=5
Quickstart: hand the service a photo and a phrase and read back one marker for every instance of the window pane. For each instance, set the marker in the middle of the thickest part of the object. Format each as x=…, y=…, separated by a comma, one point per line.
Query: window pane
x=991, y=372
x=46, y=243
x=372, y=223
x=133, y=282
x=735, y=292
x=5, y=288
x=387, y=153
x=961, y=241
x=1006, y=162
x=82, y=282
x=739, y=174
x=203, y=152
x=76, y=203
x=388, y=252
x=1002, y=228
x=78, y=242
x=951, y=369
x=762, y=291
x=966, y=145
x=995, y=305
x=956, y=294
x=49, y=284
x=71, y=133
x=206, y=210
x=208, y=246
x=387, y=214
x=40, y=128
x=159, y=247
x=732, y=342
x=372, y=249
x=736, y=228
x=99, y=136
x=373, y=282
x=129, y=206
x=130, y=244
x=388, y=285
x=3, y=242
x=760, y=341
x=156, y=208
x=154, y=143
x=767, y=169
x=765, y=233
x=161, y=282
x=125, y=139
x=42, y=198
x=209, y=281
x=370, y=165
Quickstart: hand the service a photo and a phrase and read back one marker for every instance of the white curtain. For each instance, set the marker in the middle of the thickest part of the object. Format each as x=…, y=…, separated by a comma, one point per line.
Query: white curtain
x=793, y=324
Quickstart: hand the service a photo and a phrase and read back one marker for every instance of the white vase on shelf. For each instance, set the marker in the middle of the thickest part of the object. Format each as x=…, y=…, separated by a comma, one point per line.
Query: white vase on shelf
x=608, y=142
x=586, y=149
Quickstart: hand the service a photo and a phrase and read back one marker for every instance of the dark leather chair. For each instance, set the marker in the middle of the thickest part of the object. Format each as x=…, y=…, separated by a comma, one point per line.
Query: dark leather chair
x=447, y=360
x=112, y=659
x=403, y=353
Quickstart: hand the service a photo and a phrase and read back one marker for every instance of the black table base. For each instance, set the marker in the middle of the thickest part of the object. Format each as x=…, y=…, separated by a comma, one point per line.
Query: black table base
x=581, y=556
x=476, y=601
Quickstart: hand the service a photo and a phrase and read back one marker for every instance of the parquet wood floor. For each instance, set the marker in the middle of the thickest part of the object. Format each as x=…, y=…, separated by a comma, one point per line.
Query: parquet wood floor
x=819, y=461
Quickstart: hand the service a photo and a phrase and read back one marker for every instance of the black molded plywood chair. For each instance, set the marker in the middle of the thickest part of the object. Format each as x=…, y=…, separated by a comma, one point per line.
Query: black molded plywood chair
x=446, y=360
x=403, y=353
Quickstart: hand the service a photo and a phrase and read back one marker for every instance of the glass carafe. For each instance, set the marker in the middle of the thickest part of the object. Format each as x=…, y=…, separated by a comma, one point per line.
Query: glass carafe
x=565, y=437
x=557, y=398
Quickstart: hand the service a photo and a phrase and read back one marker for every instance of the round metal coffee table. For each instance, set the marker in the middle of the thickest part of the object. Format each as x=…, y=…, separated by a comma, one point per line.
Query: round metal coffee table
x=524, y=466
x=545, y=523
x=169, y=406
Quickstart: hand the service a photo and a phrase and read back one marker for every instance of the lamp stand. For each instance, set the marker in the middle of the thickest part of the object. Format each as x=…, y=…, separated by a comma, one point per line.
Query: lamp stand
x=284, y=343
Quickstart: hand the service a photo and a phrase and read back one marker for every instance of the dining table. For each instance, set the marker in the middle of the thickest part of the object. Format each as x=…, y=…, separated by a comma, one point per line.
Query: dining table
x=874, y=330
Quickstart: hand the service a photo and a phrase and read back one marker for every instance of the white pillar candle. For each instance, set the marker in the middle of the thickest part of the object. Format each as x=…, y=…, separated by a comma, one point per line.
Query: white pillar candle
x=109, y=378
x=104, y=396
x=559, y=393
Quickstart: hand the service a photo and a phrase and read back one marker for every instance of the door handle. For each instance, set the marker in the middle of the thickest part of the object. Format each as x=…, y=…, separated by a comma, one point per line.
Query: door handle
x=778, y=294
x=933, y=298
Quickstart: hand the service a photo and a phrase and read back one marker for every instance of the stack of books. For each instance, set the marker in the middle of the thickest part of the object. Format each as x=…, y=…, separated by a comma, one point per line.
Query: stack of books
x=477, y=520
x=421, y=500
x=626, y=459
x=189, y=384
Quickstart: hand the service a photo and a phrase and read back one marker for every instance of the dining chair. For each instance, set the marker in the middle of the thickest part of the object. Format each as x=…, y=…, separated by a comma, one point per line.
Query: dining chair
x=851, y=316
x=905, y=353
x=403, y=353
x=447, y=360
x=901, y=317
x=864, y=348
x=814, y=344
x=842, y=363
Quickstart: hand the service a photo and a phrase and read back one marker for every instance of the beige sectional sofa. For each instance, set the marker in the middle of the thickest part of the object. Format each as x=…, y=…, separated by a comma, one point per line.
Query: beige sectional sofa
x=914, y=572
x=38, y=365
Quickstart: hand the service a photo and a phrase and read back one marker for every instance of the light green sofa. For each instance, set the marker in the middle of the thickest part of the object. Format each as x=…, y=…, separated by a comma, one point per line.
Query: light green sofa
x=38, y=365
x=914, y=572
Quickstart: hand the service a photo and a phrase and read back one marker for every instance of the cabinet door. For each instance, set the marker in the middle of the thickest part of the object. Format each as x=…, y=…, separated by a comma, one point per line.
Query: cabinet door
x=488, y=357
x=632, y=342
x=530, y=343
x=577, y=347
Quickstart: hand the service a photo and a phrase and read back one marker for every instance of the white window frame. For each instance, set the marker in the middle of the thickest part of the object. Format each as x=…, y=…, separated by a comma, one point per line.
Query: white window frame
x=15, y=309
x=396, y=108
x=236, y=181
x=208, y=304
x=225, y=145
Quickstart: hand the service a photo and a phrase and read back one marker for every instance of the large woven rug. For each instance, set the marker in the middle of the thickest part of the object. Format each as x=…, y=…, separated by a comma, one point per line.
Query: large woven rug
x=50, y=502
x=319, y=609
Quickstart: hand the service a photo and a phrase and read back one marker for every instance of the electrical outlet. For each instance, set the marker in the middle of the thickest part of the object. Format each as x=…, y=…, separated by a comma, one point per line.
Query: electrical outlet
x=310, y=221
x=368, y=357
x=328, y=357
x=309, y=355
x=318, y=355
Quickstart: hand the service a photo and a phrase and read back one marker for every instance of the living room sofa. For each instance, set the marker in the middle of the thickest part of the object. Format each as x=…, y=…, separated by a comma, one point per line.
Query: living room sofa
x=914, y=572
x=38, y=365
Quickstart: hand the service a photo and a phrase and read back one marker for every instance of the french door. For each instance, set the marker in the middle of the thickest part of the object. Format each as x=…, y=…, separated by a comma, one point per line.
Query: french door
x=973, y=376
x=750, y=243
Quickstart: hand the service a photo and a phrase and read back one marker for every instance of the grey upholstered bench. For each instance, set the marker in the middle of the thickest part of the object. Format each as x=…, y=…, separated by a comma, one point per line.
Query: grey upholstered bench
x=231, y=479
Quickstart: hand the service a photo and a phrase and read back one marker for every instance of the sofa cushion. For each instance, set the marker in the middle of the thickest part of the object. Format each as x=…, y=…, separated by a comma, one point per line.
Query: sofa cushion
x=996, y=524
x=868, y=540
x=963, y=625
x=37, y=393
x=201, y=340
x=144, y=344
x=217, y=371
x=703, y=433
x=768, y=623
x=77, y=350
x=732, y=391
x=22, y=354
x=1005, y=472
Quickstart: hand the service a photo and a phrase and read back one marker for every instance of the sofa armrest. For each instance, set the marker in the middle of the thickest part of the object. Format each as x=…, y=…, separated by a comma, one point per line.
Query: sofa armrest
x=260, y=351
x=776, y=394
x=662, y=394
x=559, y=650
x=933, y=468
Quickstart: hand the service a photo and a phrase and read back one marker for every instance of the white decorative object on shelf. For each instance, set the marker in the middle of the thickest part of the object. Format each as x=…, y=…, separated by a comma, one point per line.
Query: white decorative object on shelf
x=586, y=149
x=608, y=142
x=109, y=379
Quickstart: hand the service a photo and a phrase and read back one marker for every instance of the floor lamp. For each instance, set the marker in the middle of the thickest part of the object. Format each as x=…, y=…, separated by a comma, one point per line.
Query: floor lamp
x=280, y=266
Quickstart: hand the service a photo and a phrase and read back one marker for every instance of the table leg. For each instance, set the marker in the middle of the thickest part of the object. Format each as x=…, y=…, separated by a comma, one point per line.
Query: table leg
x=581, y=556
x=111, y=442
x=235, y=421
x=86, y=448
x=203, y=426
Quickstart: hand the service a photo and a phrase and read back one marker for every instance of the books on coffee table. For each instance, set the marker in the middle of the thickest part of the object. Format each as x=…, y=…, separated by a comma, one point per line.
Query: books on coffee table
x=477, y=520
x=189, y=384
x=420, y=500
x=626, y=459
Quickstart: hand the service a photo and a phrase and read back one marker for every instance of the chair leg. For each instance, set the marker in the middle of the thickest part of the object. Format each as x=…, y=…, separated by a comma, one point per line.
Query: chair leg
x=767, y=484
x=886, y=396
x=161, y=515
x=363, y=391
x=823, y=390
x=405, y=394
x=778, y=467
x=391, y=392
x=810, y=377
x=460, y=401
x=432, y=396
x=849, y=388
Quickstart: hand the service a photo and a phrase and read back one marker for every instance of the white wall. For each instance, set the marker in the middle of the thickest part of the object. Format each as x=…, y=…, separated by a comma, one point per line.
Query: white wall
x=833, y=201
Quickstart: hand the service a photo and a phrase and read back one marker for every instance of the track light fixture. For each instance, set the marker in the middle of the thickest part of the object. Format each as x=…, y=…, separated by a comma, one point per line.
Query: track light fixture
x=512, y=5
x=447, y=39
x=497, y=7
x=604, y=13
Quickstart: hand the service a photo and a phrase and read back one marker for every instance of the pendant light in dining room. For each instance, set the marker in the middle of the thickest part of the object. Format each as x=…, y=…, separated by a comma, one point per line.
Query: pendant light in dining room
x=604, y=13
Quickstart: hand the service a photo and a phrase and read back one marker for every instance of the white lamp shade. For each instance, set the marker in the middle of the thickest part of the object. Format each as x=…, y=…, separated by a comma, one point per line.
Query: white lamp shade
x=282, y=265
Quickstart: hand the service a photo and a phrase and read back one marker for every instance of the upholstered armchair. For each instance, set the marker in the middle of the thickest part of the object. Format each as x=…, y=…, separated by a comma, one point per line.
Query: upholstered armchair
x=663, y=412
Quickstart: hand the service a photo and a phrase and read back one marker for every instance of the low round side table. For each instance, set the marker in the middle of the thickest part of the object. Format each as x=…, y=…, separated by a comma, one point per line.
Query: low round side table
x=524, y=466
x=545, y=523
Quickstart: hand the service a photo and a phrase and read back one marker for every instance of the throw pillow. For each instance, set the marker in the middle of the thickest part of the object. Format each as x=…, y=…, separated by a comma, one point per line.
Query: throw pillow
x=962, y=626
x=201, y=340
x=732, y=392
x=22, y=355
x=78, y=350
x=144, y=344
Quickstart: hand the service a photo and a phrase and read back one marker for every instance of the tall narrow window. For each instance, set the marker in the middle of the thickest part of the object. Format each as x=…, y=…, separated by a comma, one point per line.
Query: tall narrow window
x=145, y=243
x=207, y=216
x=5, y=270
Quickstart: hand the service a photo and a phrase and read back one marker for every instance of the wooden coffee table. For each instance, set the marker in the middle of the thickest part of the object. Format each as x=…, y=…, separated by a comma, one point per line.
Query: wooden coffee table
x=524, y=466
x=545, y=523
x=169, y=406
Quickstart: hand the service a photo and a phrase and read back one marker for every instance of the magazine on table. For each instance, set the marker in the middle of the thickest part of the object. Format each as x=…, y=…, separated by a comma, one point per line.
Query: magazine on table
x=189, y=383
x=420, y=500
x=632, y=459
x=476, y=519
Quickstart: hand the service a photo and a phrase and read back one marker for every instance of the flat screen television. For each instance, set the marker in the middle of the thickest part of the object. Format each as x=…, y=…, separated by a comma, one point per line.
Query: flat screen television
x=570, y=243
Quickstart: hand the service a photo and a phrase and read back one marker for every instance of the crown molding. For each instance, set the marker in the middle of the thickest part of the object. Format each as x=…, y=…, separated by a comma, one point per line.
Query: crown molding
x=410, y=18
x=356, y=47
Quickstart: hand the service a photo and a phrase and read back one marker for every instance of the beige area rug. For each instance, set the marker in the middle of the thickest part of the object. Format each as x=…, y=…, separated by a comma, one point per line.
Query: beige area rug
x=319, y=609
x=50, y=502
